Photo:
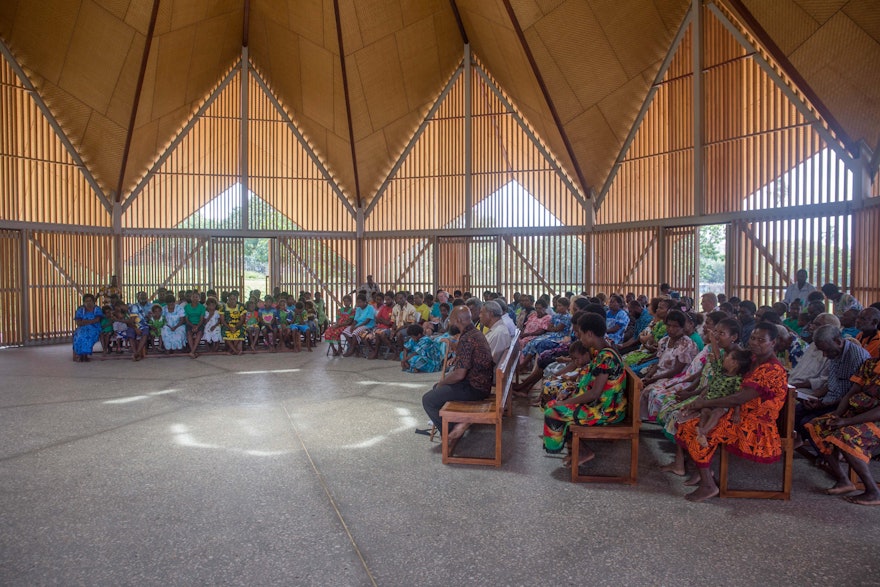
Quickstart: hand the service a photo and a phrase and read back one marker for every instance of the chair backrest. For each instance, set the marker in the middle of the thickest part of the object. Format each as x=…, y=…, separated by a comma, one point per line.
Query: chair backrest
x=505, y=372
x=633, y=396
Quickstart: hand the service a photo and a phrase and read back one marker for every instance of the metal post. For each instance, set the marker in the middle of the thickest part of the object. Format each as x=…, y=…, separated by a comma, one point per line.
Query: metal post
x=360, y=274
x=468, y=140
x=210, y=262
x=435, y=243
x=661, y=254
x=499, y=251
x=243, y=181
x=697, y=56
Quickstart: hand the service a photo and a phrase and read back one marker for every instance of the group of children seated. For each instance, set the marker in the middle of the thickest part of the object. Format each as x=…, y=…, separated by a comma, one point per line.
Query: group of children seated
x=180, y=324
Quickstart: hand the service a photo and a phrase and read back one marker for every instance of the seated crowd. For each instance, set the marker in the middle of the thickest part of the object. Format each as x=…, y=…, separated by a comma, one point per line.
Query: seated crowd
x=712, y=376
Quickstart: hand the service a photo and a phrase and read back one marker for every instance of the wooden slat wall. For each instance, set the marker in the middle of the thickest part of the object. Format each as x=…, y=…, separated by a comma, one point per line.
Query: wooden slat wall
x=11, y=332
x=769, y=253
x=39, y=181
x=227, y=258
x=204, y=165
x=538, y=264
x=63, y=267
x=655, y=179
x=427, y=192
x=866, y=259
x=177, y=263
x=504, y=153
x=314, y=264
x=626, y=261
x=400, y=263
x=281, y=172
x=682, y=250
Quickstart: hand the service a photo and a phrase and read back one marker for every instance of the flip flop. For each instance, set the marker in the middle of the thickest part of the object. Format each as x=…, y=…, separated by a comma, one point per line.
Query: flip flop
x=423, y=431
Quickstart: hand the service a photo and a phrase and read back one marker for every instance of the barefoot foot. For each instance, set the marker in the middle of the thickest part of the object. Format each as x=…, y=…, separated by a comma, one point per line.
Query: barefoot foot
x=458, y=430
x=702, y=494
x=675, y=468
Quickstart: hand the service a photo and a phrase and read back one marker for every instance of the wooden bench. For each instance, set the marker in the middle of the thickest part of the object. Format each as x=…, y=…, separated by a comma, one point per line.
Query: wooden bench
x=786, y=434
x=489, y=411
x=627, y=429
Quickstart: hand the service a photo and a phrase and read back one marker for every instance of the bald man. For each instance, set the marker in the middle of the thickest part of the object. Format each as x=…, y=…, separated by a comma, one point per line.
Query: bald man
x=471, y=375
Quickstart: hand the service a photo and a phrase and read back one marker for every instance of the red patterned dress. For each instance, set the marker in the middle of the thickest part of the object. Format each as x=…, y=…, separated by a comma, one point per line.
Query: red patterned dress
x=755, y=436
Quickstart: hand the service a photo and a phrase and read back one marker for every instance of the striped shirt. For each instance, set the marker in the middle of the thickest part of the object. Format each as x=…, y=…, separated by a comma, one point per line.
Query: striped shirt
x=841, y=369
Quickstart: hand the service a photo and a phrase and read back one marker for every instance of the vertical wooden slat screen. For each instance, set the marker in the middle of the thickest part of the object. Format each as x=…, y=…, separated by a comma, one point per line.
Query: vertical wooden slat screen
x=63, y=267
x=282, y=174
x=514, y=184
x=655, y=178
x=227, y=258
x=201, y=169
x=760, y=152
x=538, y=264
x=400, y=263
x=316, y=264
x=682, y=244
x=427, y=191
x=175, y=262
x=866, y=259
x=11, y=332
x=453, y=264
x=626, y=261
x=39, y=180
x=771, y=252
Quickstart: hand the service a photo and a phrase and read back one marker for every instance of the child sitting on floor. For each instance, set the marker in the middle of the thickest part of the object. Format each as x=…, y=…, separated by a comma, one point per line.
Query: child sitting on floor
x=421, y=354
x=156, y=322
x=106, y=328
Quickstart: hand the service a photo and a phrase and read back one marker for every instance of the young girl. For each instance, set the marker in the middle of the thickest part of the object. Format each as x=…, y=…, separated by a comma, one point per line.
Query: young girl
x=421, y=354
x=321, y=310
x=560, y=387
x=269, y=322
x=300, y=327
x=156, y=322
x=344, y=317
x=735, y=364
x=195, y=322
x=252, y=324
x=285, y=320
x=212, y=332
x=312, y=322
x=106, y=329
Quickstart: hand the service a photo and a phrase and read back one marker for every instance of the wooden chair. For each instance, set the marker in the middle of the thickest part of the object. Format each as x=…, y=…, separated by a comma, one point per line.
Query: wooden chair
x=786, y=433
x=627, y=429
x=489, y=411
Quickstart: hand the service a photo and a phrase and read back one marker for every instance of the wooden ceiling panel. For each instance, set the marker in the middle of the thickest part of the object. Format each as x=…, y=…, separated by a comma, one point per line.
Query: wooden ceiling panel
x=578, y=44
x=620, y=108
x=105, y=141
x=592, y=140
x=316, y=65
x=119, y=109
x=377, y=19
x=635, y=31
x=118, y=8
x=841, y=62
x=275, y=51
x=787, y=23
x=821, y=10
x=352, y=38
x=419, y=61
x=866, y=14
x=528, y=12
x=186, y=13
x=216, y=48
x=173, y=53
x=7, y=17
x=415, y=10
x=381, y=77
x=567, y=104
x=41, y=34
x=306, y=18
x=138, y=16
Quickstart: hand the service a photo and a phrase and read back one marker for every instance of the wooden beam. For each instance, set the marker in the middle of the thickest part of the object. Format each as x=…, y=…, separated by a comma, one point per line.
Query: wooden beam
x=457, y=14
x=529, y=265
x=585, y=187
x=357, y=184
x=765, y=252
x=137, y=99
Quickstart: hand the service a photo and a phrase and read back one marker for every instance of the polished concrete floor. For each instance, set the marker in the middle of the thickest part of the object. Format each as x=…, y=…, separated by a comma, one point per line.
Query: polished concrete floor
x=299, y=469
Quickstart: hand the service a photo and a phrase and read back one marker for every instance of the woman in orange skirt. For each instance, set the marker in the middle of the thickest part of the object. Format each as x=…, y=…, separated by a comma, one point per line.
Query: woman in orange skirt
x=755, y=436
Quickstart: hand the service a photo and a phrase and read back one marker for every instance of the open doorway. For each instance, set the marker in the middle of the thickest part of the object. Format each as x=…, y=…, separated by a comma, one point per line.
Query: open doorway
x=257, y=266
x=713, y=258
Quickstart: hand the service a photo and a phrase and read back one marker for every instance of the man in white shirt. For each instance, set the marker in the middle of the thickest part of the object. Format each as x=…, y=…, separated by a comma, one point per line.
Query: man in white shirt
x=498, y=335
x=810, y=375
x=800, y=289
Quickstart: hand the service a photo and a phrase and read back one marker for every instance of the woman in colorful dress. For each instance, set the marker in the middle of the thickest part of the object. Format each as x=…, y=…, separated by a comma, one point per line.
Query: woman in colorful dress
x=646, y=354
x=674, y=353
x=232, y=319
x=853, y=430
x=600, y=397
x=755, y=436
x=536, y=324
x=344, y=318
x=88, y=328
x=559, y=328
x=174, y=331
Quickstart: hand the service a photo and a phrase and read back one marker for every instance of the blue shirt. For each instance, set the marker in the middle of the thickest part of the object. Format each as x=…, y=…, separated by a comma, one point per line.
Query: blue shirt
x=365, y=316
x=621, y=319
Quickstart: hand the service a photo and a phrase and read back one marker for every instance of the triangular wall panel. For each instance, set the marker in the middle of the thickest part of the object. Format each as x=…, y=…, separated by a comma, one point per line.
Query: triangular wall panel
x=39, y=180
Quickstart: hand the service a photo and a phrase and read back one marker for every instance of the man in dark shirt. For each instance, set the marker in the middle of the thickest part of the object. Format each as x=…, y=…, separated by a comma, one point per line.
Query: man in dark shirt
x=471, y=375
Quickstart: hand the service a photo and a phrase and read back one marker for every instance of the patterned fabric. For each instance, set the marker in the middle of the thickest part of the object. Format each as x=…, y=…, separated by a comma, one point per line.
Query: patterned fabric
x=85, y=337
x=212, y=333
x=870, y=344
x=846, y=302
x=534, y=324
x=156, y=325
x=723, y=385
x=547, y=341
x=610, y=407
x=658, y=331
x=756, y=436
x=174, y=339
x=621, y=319
x=473, y=354
x=234, y=318
x=344, y=317
x=841, y=369
x=427, y=355
x=858, y=440
x=661, y=395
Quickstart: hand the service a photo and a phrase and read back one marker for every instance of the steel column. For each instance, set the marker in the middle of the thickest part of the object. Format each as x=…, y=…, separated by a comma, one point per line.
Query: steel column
x=468, y=140
x=243, y=155
x=25, y=323
x=697, y=57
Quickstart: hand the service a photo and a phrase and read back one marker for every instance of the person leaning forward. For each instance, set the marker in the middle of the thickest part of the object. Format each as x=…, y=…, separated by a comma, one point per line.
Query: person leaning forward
x=471, y=375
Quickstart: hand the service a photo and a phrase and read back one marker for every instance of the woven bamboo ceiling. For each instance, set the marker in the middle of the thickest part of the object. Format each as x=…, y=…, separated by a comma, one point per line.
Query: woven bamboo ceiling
x=122, y=77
